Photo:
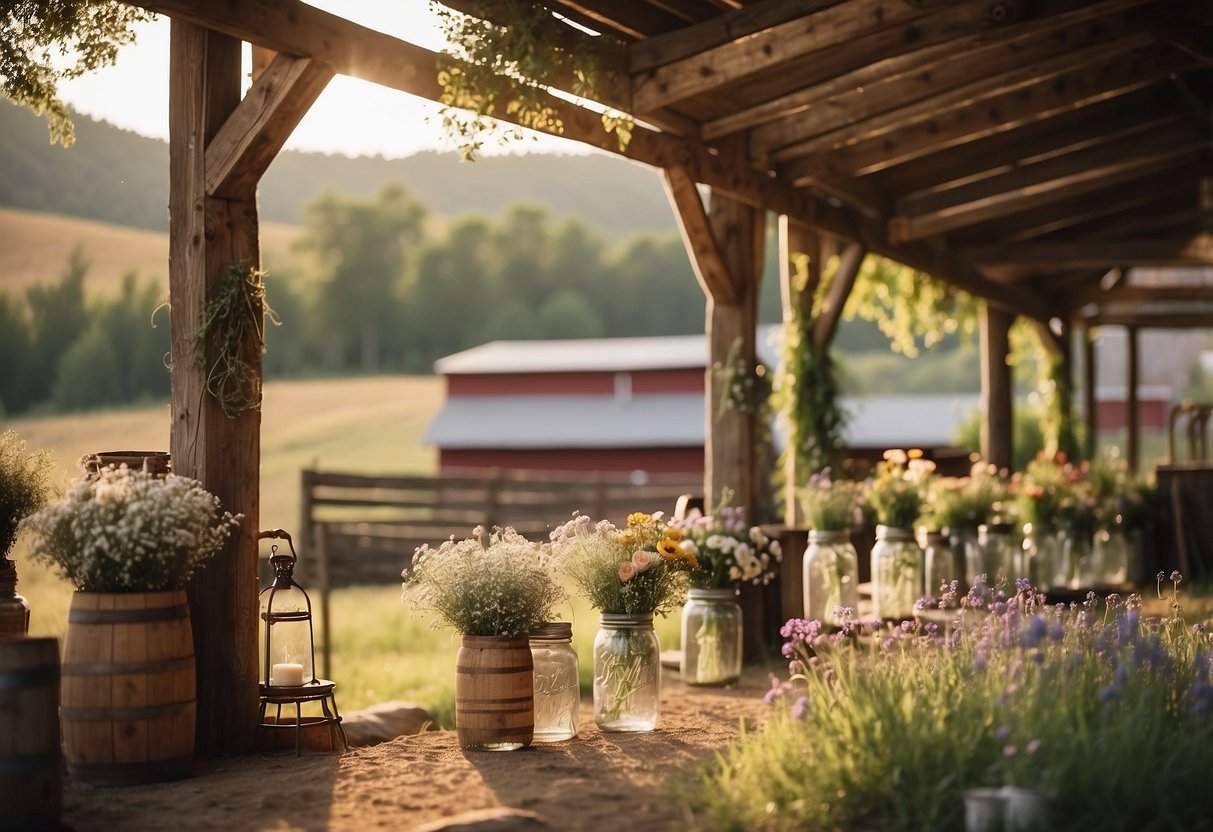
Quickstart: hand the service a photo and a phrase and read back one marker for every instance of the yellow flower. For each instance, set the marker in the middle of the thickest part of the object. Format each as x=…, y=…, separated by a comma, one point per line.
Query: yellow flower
x=670, y=549
x=674, y=534
x=639, y=518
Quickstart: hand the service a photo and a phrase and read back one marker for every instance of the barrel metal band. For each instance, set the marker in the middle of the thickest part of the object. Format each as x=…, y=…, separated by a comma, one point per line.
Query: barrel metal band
x=474, y=705
x=128, y=616
x=128, y=668
x=36, y=678
x=168, y=709
x=24, y=763
x=491, y=671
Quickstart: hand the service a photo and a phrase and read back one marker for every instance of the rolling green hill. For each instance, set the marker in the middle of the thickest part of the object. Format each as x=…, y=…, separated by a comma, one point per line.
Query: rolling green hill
x=117, y=176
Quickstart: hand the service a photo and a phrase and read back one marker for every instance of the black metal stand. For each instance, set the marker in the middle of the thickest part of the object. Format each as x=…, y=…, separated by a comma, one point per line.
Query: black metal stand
x=319, y=690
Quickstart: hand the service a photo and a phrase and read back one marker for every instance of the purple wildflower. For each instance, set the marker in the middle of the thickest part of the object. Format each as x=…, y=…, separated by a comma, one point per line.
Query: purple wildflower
x=1035, y=632
x=800, y=708
x=1109, y=693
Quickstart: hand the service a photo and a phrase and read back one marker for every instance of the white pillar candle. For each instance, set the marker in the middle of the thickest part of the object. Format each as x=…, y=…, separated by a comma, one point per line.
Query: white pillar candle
x=286, y=675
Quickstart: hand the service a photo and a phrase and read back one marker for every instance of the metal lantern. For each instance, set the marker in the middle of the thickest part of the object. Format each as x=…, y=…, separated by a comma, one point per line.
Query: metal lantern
x=290, y=654
x=288, y=676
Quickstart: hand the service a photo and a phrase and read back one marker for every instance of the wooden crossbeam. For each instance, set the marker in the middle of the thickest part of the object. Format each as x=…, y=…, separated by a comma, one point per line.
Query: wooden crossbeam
x=1086, y=86
x=712, y=68
x=627, y=18
x=1036, y=185
x=698, y=237
x=901, y=103
x=1143, y=294
x=1191, y=251
x=251, y=137
x=959, y=31
x=836, y=295
x=906, y=228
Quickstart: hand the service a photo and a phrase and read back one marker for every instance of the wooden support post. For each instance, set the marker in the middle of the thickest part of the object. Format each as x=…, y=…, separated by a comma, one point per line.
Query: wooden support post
x=731, y=453
x=996, y=421
x=796, y=289
x=1090, y=400
x=207, y=236
x=1132, y=411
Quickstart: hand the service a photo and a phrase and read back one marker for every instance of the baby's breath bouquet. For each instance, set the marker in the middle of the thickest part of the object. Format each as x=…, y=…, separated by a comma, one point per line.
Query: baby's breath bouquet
x=130, y=531
x=635, y=570
x=494, y=583
x=24, y=486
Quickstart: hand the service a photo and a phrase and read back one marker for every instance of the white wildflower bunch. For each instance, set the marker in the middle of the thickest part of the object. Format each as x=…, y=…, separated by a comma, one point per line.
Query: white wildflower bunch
x=728, y=549
x=491, y=584
x=130, y=531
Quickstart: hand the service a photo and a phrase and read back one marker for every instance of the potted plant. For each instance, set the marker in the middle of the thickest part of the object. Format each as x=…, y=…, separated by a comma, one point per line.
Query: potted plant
x=129, y=541
x=494, y=589
x=24, y=487
x=628, y=575
x=728, y=551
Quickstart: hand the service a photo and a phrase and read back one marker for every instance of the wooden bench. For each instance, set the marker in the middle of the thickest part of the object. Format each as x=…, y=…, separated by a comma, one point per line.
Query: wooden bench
x=363, y=528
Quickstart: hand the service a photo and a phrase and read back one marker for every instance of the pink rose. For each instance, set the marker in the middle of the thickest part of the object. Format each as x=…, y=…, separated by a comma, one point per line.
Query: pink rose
x=627, y=571
x=642, y=560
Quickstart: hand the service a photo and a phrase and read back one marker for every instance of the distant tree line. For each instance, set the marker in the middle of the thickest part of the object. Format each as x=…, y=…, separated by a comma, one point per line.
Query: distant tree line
x=382, y=287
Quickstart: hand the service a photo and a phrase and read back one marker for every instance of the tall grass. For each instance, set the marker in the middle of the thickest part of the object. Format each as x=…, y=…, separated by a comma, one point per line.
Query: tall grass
x=1109, y=714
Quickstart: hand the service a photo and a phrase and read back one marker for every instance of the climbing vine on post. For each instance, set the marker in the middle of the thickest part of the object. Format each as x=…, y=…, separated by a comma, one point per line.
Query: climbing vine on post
x=504, y=70
x=233, y=327
x=807, y=389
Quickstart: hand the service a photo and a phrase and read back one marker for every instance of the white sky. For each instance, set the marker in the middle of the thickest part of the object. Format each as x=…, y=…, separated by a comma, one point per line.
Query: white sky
x=351, y=117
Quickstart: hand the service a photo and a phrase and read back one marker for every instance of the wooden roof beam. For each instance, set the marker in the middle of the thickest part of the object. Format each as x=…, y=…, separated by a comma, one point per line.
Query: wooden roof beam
x=765, y=50
x=1190, y=251
x=1004, y=152
x=630, y=19
x=1084, y=87
x=1147, y=320
x=1143, y=294
x=1061, y=172
x=901, y=103
x=1039, y=191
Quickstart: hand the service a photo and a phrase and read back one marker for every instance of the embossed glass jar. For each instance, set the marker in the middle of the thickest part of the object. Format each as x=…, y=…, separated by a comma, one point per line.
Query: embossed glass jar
x=831, y=577
x=897, y=573
x=1001, y=556
x=711, y=637
x=557, y=682
x=627, y=673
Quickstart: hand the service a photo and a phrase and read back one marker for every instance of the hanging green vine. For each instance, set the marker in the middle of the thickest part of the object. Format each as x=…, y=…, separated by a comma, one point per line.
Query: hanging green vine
x=233, y=324
x=910, y=306
x=744, y=387
x=808, y=390
x=513, y=64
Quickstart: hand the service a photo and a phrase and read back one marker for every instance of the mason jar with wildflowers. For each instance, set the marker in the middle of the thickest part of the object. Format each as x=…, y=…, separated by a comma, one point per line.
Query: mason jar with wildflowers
x=897, y=491
x=829, y=504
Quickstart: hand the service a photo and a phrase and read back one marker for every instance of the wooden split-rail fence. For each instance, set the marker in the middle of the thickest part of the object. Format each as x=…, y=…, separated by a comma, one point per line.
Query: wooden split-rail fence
x=363, y=529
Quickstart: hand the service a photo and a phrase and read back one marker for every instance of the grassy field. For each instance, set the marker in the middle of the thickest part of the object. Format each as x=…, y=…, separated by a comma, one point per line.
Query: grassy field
x=381, y=650
x=34, y=248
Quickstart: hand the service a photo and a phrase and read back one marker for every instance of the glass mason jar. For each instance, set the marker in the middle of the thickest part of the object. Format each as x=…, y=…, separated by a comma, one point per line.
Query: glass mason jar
x=1000, y=556
x=967, y=553
x=627, y=673
x=557, y=682
x=897, y=579
x=939, y=561
x=711, y=637
x=1076, y=555
x=1042, y=554
x=831, y=577
x=1113, y=555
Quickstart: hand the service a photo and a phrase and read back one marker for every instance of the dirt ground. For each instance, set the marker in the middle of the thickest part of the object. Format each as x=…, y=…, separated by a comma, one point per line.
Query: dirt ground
x=595, y=781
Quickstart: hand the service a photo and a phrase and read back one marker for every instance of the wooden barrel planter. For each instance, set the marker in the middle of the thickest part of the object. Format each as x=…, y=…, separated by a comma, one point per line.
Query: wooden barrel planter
x=158, y=463
x=128, y=688
x=494, y=693
x=31, y=763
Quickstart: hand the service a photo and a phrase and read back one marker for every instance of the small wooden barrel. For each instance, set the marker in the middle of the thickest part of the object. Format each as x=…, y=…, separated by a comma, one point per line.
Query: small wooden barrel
x=128, y=688
x=157, y=463
x=494, y=693
x=31, y=782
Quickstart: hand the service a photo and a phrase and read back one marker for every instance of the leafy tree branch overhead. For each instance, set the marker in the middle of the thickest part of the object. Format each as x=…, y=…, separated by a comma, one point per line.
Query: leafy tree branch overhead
x=34, y=32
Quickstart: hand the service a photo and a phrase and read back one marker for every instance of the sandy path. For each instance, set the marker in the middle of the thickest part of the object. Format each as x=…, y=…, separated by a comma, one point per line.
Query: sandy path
x=596, y=781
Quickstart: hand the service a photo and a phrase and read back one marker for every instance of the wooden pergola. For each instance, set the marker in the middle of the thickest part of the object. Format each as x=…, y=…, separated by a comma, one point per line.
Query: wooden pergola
x=1032, y=154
